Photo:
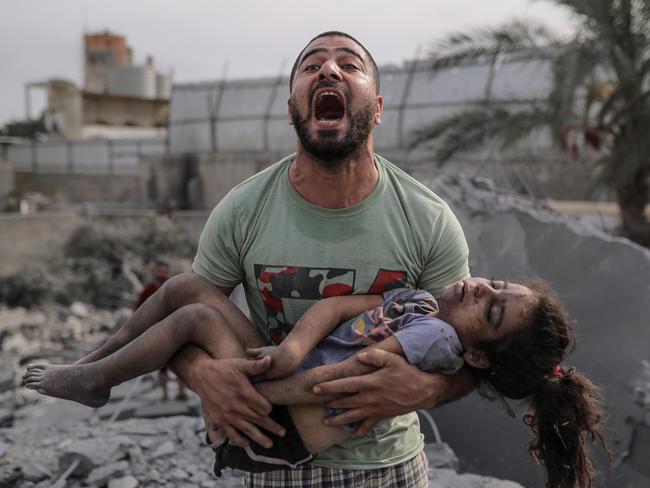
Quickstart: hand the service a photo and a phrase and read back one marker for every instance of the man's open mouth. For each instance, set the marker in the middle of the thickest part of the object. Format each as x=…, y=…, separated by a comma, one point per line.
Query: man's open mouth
x=329, y=106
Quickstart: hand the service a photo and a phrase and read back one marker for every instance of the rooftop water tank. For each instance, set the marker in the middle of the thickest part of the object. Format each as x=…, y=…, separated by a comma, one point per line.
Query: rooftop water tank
x=163, y=86
x=134, y=81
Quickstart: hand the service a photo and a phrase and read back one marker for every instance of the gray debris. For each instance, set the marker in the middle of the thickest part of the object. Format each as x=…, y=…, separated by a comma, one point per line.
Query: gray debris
x=35, y=472
x=165, y=449
x=446, y=478
x=91, y=454
x=10, y=475
x=125, y=482
x=102, y=474
x=440, y=455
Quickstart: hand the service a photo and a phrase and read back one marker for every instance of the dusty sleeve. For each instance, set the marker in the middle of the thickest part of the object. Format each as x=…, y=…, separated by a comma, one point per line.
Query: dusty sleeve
x=447, y=260
x=218, y=256
x=430, y=344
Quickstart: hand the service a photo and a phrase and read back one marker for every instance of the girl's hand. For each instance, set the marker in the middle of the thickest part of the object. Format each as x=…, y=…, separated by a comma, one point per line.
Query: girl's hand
x=284, y=359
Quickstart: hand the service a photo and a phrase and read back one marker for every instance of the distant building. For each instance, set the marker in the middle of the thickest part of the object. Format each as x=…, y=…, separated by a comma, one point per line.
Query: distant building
x=118, y=100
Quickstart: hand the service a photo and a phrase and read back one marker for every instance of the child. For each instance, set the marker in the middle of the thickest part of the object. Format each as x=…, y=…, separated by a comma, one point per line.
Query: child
x=512, y=336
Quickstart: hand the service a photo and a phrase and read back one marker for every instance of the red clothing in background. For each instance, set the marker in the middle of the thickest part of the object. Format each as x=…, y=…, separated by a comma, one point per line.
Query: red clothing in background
x=148, y=290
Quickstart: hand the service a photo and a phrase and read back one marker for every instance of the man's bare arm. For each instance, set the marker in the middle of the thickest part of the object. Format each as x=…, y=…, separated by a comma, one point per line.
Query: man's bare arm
x=228, y=398
x=395, y=388
x=299, y=388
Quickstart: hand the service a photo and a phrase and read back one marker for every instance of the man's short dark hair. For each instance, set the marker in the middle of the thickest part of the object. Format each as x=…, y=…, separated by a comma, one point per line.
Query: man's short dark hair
x=375, y=70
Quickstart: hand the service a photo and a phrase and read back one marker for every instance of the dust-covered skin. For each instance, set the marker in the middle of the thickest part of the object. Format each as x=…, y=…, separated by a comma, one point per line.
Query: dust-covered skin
x=70, y=382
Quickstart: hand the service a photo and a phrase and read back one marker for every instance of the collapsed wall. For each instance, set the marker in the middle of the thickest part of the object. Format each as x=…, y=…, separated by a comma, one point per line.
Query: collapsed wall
x=604, y=283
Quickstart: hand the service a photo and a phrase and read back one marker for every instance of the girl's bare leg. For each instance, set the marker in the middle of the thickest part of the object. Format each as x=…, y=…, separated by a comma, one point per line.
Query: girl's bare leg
x=90, y=383
x=177, y=292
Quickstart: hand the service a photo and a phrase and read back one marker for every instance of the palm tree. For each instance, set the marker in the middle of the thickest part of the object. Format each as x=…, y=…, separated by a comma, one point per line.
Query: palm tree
x=600, y=90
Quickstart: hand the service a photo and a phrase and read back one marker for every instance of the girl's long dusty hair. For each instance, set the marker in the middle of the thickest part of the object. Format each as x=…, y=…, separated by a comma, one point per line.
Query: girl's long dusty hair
x=564, y=406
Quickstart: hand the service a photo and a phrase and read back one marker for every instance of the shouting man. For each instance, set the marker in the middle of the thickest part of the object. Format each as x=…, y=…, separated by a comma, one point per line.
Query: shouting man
x=332, y=219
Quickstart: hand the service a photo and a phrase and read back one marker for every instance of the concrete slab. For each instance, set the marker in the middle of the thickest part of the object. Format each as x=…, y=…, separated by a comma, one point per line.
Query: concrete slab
x=604, y=283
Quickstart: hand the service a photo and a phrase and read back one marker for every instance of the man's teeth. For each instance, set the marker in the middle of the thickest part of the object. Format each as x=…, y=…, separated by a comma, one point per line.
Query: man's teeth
x=327, y=93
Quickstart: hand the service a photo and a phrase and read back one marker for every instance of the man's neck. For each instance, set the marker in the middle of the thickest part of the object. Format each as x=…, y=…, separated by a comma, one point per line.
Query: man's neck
x=340, y=187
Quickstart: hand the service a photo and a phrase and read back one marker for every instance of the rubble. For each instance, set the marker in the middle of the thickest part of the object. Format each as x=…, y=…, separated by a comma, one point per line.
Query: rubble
x=102, y=265
x=603, y=282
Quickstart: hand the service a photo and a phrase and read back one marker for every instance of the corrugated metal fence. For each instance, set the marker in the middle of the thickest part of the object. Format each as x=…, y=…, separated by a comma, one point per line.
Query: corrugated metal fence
x=97, y=156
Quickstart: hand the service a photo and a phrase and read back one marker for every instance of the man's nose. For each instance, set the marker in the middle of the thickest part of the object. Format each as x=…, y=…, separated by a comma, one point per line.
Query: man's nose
x=330, y=71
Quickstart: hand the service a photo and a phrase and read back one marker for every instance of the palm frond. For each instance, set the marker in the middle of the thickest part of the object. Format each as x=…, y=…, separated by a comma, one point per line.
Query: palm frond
x=574, y=64
x=487, y=44
x=472, y=128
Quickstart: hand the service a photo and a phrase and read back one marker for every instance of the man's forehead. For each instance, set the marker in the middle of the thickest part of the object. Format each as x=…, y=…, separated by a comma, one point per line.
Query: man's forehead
x=332, y=43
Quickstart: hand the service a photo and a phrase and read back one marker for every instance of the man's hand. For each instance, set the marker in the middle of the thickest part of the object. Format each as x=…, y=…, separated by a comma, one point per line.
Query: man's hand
x=229, y=400
x=395, y=388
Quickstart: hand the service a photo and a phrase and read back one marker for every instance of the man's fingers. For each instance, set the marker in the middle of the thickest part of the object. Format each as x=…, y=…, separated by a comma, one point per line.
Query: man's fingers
x=347, y=417
x=236, y=438
x=366, y=425
x=254, y=433
x=268, y=424
x=253, y=367
x=352, y=401
x=375, y=357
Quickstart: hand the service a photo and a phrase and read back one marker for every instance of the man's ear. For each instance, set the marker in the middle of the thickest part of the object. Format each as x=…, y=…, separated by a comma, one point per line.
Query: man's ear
x=476, y=359
x=289, y=111
x=380, y=110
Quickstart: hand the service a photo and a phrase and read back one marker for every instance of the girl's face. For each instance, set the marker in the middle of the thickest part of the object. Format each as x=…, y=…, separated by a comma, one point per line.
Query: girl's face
x=485, y=310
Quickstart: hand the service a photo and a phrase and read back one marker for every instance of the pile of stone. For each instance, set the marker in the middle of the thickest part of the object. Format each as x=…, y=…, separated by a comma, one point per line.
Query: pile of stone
x=164, y=452
x=54, y=334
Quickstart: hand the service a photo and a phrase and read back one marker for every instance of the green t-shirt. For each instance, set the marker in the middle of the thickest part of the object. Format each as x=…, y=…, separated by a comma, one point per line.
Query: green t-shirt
x=289, y=253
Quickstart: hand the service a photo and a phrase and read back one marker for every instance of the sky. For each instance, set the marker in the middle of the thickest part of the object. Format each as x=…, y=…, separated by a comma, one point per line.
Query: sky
x=198, y=40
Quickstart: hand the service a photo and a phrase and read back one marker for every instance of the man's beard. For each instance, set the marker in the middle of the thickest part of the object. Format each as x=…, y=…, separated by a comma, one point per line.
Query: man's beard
x=327, y=150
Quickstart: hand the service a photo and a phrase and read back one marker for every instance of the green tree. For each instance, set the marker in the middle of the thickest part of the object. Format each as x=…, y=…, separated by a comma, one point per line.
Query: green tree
x=600, y=91
x=29, y=129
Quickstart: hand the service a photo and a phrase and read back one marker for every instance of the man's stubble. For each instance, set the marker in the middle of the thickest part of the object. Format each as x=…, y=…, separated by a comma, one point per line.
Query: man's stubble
x=327, y=150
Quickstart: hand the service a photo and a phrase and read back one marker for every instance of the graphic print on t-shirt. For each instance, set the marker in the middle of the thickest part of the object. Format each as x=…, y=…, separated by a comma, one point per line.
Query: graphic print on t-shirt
x=287, y=291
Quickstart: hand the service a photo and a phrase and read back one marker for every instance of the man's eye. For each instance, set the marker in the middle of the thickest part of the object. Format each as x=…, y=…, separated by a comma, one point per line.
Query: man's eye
x=311, y=67
x=350, y=66
x=493, y=283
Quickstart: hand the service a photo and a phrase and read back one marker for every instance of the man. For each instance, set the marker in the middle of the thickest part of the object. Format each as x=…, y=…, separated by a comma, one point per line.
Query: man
x=161, y=272
x=332, y=219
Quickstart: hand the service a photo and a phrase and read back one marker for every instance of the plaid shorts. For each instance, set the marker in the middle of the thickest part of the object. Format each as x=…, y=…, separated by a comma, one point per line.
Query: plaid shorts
x=410, y=474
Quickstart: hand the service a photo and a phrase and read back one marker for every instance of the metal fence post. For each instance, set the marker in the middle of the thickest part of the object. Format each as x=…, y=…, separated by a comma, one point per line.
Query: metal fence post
x=70, y=160
x=34, y=157
x=111, y=168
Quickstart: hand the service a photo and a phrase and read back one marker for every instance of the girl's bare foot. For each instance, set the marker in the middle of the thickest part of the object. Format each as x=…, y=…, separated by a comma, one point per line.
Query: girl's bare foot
x=70, y=382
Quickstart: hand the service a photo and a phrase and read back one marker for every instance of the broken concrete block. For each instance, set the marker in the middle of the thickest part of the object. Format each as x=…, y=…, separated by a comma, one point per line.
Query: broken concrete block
x=79, y=310
x=440, y=455
x=165, y=449
x=35, y=472
x=6, y=417
x=124, y=482
x=4, y=448
x=179, y=474
x=446, y=478
x=10, y=475
x=91, y=454
x=102, y=474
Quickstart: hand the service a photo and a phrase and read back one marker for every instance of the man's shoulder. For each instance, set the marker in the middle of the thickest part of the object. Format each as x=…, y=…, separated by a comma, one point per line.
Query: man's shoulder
x=260, y=183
